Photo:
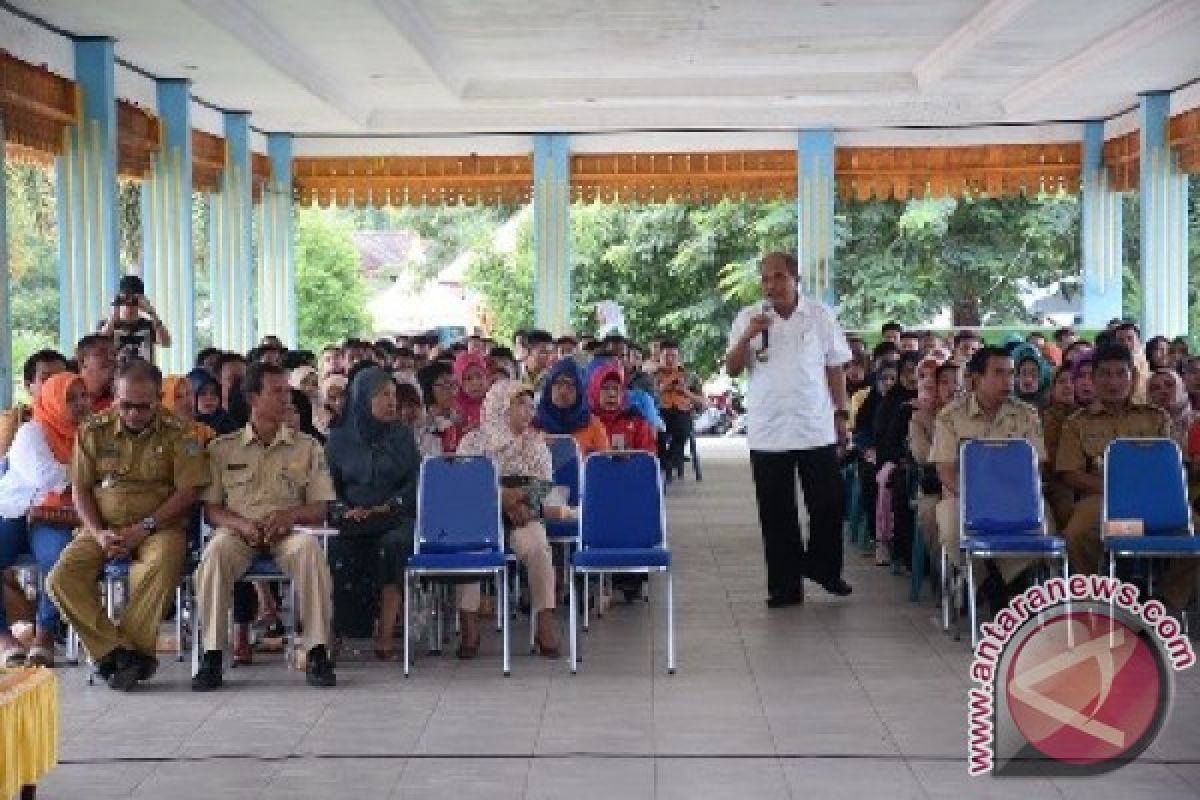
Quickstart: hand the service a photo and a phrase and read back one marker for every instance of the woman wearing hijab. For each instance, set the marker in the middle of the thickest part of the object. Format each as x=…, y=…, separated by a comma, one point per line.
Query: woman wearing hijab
x=37, y=484
x=1165, y=390
x=626, y=429
x=891, y=448
x=1033, y=376
x=471, y=374
x=563, y=409
x=506, y=436
x=305, y=379
x=206, y=398
x=179, y=399
x=333, y=400
x=374, y=463
x=1059, y=496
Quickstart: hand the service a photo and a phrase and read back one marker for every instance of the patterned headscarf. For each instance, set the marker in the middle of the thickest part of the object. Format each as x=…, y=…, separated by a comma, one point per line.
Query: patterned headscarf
x=524, y=454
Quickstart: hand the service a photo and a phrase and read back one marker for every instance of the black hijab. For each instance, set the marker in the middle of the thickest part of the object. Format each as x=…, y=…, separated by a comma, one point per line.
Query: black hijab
x=219, y=421
x=372, y=462
x=305, y=411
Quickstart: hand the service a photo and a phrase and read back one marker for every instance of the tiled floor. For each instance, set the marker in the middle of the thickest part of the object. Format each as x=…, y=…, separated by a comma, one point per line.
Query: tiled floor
x=856, y=698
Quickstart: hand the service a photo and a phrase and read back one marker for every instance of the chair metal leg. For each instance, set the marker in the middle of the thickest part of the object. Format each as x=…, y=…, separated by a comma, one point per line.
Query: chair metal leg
x=504, y=633
x=439, y=611
x=587, y=601
x=947, y=590
x=499, y=619
x=670, y=623
x=918, y=564
x=573, y=622
x=970, y=589
x=407, y=618
x=293, y=630
x=179, y=623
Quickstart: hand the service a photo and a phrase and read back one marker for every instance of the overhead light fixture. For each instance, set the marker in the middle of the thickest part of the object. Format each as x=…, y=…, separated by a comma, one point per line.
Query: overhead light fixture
x=375, y=76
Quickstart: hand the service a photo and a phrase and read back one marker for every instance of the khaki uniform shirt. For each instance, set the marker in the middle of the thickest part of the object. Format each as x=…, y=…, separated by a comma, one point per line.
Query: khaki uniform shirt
x=1053, y=418
x=254, y=479
x=920, y=434
x=963, y=419
x=132, y=474
x=1087, y=433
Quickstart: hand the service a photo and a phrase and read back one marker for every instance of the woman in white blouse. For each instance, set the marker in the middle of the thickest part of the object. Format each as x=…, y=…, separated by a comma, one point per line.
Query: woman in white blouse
x=38, y=478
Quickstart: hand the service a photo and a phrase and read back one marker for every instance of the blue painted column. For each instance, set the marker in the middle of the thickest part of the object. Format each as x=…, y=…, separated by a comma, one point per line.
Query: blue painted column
x=815, y=202
x=6, y=324
x=230, y=261
x=277, y=256
x=1101, y=233
x=552, y=232
x=167, y=228
x=87, y=198
x=1163, y=225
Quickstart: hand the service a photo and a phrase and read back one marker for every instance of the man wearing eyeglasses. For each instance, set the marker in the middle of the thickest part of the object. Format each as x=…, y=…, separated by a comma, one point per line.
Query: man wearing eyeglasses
x=135, y=476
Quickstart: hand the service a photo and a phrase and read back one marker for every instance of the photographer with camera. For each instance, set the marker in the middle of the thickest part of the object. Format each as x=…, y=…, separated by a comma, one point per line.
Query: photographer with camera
x=134, y=324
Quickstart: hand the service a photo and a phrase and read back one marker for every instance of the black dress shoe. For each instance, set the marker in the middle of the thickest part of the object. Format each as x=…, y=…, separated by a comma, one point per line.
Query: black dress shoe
x=208, y=677
x=319, y=671
x=125, y=670
x=147, y=666
x=836, y=586
x=785, y=600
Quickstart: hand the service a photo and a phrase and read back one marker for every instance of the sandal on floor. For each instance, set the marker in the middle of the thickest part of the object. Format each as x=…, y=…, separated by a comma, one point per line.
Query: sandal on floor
x=13, y=657
x=40, y=656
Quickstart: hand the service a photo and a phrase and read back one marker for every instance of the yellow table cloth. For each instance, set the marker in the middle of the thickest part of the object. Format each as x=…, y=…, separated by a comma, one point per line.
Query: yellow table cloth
x=28, y=727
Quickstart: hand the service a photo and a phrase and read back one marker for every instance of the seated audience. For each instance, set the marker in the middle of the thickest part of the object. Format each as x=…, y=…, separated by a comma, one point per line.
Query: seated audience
x=1033, y=375
x=563, y=409
x=947, y=380
x=265, y=480
x=374, y=464
x=136, y=473
x=96, y=358
x=471, y=377
x=206, y=394
x=333, y=399
x=305, y=379
x=37, y=484
x=178, y=398
x=36, y=370
x=626, y=429
x=1114, y=414
x=438, y=431
x=1061, y=405
x=988, y=411
x=506, y=436
x=1165, y=390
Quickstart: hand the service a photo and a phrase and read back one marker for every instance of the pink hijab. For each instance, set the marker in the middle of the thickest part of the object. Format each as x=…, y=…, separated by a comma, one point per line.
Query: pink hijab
x=469, y=409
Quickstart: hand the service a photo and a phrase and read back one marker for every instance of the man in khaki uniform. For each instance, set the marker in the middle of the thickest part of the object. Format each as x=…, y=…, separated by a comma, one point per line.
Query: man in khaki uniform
x=266, y=478
x=988, y=412
x=1080, y=461
x=135, y=476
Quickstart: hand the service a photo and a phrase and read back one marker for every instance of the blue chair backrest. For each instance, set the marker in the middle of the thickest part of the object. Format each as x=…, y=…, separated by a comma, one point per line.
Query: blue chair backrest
x=1001, y=492
x=458, y=506
x=622, y=505
x=564, y=455
x=1144, y=479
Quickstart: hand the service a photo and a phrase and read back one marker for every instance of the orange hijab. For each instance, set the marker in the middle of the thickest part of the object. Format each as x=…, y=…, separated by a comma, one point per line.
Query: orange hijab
x=170, y=386
x=51, y=412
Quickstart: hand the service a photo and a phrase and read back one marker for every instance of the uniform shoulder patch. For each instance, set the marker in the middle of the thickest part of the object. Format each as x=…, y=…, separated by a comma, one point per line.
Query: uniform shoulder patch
x=100, y=420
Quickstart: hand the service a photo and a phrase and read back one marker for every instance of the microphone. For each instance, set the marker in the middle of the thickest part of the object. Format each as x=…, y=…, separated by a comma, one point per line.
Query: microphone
x=762, y=354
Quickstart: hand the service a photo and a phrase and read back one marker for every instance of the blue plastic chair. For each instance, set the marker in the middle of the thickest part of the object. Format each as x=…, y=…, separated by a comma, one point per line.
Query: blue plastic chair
x=1001, y=514
x=459, y=531
x=623, y=529
x=1144, y=481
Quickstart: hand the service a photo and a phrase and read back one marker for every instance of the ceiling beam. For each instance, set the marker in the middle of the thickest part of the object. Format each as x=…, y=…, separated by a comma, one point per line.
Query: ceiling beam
x=966, y=39
x=414, y=28
x=848, y=87
x=1162, y=20
x=243, y=22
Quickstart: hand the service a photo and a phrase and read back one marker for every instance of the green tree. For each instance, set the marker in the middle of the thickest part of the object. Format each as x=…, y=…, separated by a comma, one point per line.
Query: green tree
x=33, y=251
x=331, y=297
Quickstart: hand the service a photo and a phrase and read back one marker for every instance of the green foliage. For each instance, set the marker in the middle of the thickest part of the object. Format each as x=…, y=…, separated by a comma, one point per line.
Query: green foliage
x=331, y=298
x=33, y=252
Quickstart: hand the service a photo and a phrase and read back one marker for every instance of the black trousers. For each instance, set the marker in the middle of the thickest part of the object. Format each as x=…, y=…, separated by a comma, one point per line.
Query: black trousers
x=788, y=561
x=673, y=447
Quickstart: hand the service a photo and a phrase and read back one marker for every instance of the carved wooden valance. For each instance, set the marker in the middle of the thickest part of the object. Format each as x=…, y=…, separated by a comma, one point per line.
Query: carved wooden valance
x=37, y=105
x=413, y=180
x=137, y=140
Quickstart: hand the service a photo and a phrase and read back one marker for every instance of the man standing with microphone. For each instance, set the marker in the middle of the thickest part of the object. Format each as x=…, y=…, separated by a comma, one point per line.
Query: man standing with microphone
x=794, y=350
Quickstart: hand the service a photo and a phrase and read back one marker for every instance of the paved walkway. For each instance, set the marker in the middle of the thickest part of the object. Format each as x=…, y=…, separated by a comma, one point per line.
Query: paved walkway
x=859, y=698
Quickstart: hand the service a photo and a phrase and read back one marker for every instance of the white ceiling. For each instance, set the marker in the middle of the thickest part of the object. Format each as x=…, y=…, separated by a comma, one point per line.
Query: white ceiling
x=485, y=66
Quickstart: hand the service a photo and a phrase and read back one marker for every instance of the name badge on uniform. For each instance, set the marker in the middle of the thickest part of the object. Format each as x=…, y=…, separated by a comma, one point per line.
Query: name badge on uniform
x=108, y=482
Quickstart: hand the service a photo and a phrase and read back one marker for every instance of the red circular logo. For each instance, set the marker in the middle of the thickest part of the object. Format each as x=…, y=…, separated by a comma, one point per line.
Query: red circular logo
x=1084, y=688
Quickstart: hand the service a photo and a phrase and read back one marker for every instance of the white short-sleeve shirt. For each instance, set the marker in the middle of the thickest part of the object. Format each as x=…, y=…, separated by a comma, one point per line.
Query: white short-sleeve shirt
x=788, y=400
